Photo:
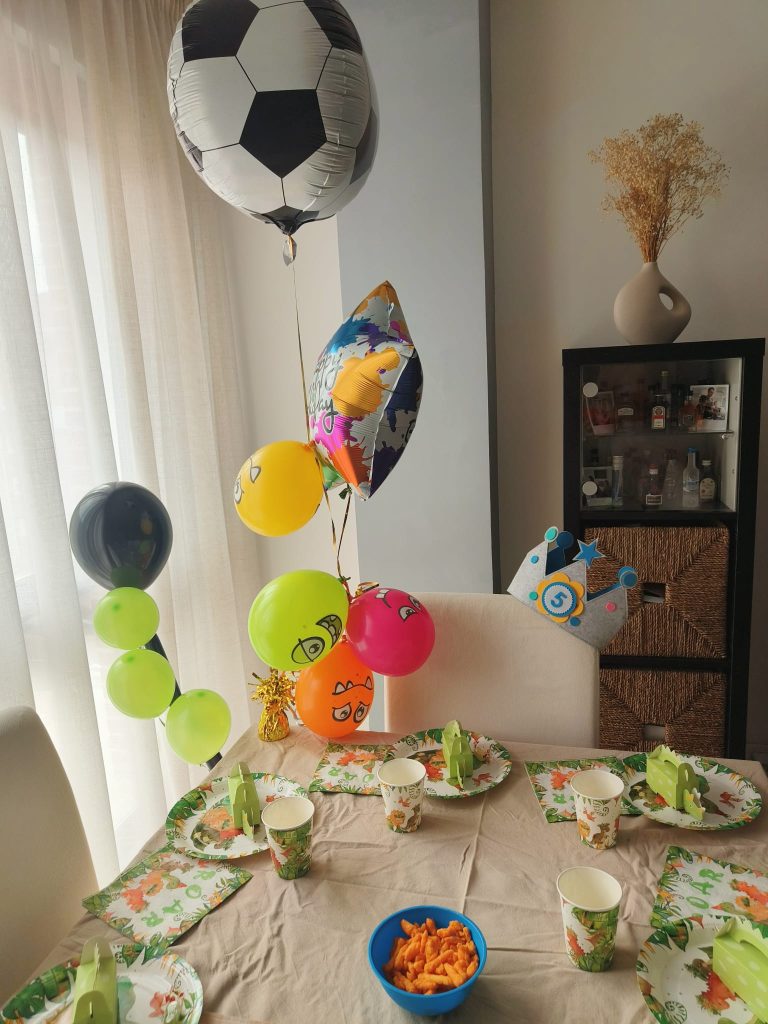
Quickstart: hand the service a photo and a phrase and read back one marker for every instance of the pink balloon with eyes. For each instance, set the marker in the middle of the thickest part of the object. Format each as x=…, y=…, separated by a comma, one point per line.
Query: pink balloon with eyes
x=391, y=631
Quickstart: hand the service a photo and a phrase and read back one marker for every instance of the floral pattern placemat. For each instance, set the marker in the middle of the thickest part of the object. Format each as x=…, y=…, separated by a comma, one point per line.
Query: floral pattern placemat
x=550, y=784
x=693, y=883
x=349, y=768
x=163, y=896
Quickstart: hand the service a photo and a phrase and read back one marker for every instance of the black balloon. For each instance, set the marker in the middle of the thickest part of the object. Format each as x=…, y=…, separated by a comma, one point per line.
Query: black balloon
x=121, y=535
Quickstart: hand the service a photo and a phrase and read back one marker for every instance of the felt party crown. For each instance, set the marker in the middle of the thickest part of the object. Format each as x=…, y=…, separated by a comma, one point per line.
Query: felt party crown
x=547, y=584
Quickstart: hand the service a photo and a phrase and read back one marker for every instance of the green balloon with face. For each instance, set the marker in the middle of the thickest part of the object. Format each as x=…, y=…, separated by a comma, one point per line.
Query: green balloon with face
x=297, y=618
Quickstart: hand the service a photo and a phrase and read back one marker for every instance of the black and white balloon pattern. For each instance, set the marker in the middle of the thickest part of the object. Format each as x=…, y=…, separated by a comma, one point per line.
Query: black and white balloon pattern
x=274, y=106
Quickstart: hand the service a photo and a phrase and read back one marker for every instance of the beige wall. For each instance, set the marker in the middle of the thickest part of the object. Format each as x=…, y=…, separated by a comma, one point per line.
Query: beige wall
x=566, y=73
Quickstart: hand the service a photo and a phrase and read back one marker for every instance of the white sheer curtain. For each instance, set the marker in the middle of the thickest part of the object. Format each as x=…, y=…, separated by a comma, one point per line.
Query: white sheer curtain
x=117, y=361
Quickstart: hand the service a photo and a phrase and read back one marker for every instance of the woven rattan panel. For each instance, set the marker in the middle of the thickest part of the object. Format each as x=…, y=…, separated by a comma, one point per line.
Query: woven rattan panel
x=689, y=565
x=690, y=706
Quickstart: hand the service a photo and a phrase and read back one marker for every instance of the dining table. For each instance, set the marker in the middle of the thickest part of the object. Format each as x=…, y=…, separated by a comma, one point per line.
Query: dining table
x=280, y=952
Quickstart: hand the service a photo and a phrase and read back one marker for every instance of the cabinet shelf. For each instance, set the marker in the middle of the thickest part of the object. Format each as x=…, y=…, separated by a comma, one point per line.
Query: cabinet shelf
x=658, y=435
x=635, y=511
x=595, y=383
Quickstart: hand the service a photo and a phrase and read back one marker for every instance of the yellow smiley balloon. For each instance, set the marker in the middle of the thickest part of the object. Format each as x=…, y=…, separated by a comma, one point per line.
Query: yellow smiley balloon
x=279, y=488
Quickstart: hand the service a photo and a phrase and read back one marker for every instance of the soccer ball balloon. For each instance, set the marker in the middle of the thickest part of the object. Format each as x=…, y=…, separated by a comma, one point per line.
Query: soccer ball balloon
x=273, y=104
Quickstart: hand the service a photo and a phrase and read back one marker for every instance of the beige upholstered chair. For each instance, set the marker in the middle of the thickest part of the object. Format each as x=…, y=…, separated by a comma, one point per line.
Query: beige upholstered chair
x=501, y=669
x=45, y=862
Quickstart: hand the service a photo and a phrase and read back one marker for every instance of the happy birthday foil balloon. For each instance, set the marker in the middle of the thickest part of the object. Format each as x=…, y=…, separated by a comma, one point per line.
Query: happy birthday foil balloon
x=365, y=393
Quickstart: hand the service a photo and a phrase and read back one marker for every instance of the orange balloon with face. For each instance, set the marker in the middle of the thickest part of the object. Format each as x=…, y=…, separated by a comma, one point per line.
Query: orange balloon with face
x=335, y=695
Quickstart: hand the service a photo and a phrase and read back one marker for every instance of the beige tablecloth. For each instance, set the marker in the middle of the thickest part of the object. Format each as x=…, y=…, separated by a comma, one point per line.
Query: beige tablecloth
x=283, y=952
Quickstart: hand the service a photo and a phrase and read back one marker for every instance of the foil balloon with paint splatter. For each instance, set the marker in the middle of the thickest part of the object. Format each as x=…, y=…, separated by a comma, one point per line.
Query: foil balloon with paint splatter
x=365, y=393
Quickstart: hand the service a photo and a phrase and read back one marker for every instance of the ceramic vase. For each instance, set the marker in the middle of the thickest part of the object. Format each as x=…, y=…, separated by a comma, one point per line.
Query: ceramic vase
x=641, y=316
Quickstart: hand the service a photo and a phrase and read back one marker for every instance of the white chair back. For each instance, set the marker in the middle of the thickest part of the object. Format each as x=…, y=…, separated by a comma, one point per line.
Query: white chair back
x=502, y=670
x=45, y=863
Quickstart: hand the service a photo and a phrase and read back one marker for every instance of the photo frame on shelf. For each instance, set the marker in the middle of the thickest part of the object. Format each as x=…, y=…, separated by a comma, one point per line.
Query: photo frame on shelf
x=711, y=404
x=596, y=486
x=601, y=413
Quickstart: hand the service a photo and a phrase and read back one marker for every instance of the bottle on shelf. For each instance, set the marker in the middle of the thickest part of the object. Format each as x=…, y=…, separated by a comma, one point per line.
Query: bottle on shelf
x=659, y=412
x=691, y=481
x=642, y=474
x=641, y=403
x=665, y=390
x=698, y=415
x=673, y=481
x=707, y=483
x=625, y=410
x=687, y=417
x=617, y=481
x=653, y=495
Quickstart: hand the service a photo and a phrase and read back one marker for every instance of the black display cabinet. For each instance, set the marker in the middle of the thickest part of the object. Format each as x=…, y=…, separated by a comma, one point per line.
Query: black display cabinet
x=678, y=670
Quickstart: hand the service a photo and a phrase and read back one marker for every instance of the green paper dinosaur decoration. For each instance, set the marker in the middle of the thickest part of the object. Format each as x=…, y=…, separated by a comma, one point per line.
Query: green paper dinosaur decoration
x=457, y=753
x=740, y=960
x=246, y=809
x=94, y=1000
x=674, y=779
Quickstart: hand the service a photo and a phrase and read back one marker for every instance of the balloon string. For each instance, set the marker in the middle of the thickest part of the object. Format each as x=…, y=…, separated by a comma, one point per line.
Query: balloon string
x=336, y=546
x=301, y=353
x=155, y=645
x=343, y=528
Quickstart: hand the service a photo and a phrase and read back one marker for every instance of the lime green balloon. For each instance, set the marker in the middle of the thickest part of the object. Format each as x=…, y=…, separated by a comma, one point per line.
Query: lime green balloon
x=141, y=684
x=297, y=618
x=197, y=725
x=126, y=618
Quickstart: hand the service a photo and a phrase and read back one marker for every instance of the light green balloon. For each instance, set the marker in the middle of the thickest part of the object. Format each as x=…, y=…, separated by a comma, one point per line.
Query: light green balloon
x=126, y=618
x=141, y=684
x=297, y=618
x=197, y=725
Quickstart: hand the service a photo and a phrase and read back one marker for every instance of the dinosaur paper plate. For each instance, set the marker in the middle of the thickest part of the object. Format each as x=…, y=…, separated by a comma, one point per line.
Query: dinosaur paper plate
x=201, y=823
x=674, y=972
x=492, y=763
x=159, y=989
x=729, y=799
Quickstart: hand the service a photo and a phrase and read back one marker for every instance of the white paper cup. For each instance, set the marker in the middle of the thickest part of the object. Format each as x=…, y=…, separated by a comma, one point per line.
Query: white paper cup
x=288, y=824
x=597, y=795
x=589, y=901
x=402, y=788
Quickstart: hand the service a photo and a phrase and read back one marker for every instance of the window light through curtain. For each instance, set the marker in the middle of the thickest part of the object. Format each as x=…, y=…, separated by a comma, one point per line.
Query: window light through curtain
x=117, y=361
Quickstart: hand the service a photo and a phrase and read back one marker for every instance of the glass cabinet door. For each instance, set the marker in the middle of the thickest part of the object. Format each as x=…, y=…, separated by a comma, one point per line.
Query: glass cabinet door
x=661, y=436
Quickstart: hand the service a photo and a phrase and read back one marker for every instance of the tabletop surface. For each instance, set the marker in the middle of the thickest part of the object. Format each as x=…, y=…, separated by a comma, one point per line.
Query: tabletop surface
x=284, y=951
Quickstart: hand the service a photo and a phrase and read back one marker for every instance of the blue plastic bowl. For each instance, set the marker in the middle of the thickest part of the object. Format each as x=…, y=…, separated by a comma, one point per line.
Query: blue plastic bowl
x=380, y=948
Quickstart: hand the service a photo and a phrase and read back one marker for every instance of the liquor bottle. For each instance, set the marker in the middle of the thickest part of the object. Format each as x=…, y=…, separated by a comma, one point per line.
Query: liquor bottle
x=653, y=495
x=617, y=481
x=666, y=391
x=642, y=474
x=659, y=412
x=691, y=481
x=687, y=418
x=641, y=403
x=707, y=484
x=625, y=410
x=673, y=482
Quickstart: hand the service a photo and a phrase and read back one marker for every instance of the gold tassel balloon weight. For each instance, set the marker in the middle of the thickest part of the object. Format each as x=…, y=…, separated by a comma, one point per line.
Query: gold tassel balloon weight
x=275, y=692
